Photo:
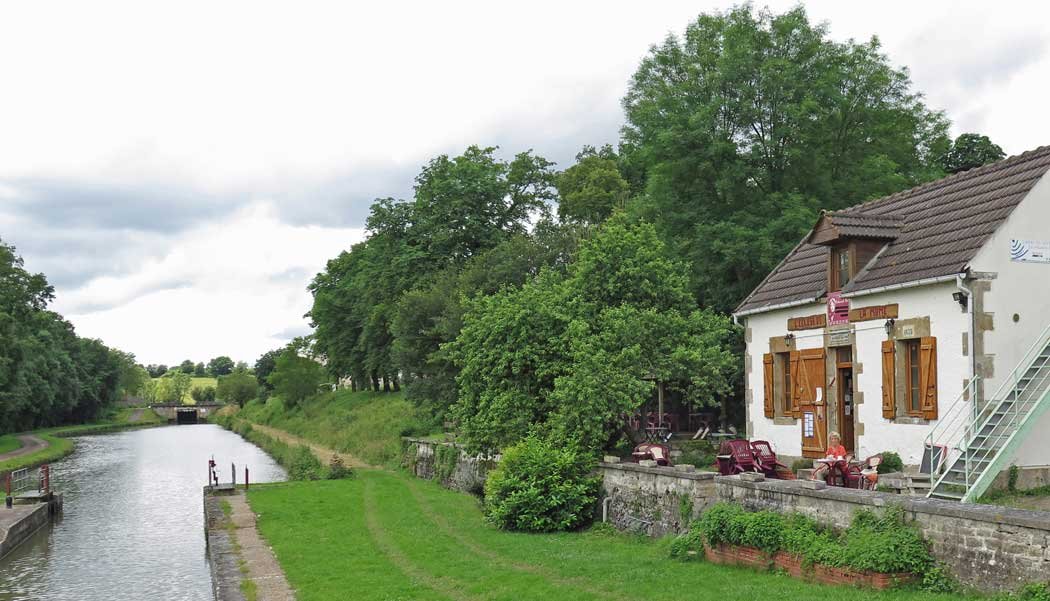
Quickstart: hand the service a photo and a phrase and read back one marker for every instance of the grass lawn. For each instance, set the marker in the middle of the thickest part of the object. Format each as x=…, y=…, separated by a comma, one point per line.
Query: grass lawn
x=385, y=536
x=367, y=425
x=9, y=442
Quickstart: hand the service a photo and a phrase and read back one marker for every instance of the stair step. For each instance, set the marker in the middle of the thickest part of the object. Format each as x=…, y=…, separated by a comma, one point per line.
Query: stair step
x=947, y=496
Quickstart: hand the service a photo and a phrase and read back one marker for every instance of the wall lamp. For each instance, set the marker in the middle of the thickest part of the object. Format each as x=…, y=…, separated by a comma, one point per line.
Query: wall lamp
x=788, y=338
x=960, y=298
x=889, y=325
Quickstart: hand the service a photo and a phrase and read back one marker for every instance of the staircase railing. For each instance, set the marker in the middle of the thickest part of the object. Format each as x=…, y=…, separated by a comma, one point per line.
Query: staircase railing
x=953, y=427
x=982, y=463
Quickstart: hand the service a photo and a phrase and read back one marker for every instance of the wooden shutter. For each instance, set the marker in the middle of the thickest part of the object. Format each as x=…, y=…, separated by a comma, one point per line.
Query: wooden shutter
x=889, y=380
x=796, y=384
x=767, y=379
x=928, y=376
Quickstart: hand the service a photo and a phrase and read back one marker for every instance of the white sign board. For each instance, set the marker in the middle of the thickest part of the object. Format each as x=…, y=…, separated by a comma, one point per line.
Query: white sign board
x=1030, y=251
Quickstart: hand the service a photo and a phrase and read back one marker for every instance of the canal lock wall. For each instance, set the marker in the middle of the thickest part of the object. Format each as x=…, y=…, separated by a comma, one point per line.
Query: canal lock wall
x=447, y=463
x=23, y=520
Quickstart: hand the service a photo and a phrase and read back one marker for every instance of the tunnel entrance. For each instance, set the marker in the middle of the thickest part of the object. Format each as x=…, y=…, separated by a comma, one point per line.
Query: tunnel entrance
x=186, y=416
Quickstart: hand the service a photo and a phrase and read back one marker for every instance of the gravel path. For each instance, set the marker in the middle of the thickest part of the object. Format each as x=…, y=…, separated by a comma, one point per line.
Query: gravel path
x=30, y=444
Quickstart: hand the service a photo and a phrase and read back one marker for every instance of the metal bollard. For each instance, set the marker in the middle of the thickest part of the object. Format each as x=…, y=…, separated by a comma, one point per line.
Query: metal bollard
x=246, y=477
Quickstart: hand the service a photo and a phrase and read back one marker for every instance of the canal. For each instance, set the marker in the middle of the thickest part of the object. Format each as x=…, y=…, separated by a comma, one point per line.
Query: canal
x=133, y=526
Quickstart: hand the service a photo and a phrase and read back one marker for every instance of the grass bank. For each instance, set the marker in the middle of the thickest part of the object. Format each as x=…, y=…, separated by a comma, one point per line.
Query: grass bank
x=58, y=445
x=385, y=535
x=8, y=443
x=367, y=425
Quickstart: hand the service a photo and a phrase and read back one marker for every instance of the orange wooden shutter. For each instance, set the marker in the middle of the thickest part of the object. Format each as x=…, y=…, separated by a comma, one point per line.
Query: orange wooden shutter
x=889, y=380
x=797, y=386
x=767, y=379
x=928, y=376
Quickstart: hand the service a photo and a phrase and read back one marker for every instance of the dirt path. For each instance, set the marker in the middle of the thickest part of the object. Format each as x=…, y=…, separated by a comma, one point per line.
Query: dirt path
x=30, y=444
x=323, y=453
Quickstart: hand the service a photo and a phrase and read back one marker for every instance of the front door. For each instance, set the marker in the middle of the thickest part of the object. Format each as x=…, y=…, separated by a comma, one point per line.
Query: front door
x=808, y=373
x=846, y=409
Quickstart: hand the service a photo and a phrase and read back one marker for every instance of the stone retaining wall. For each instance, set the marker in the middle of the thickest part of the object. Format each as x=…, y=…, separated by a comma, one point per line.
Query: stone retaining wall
x=654, y=500
x=448, y=463
x=27, y=520
x=988, y=547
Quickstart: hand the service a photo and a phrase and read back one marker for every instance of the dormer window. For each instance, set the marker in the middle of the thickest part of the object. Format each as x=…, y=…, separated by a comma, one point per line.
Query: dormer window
x=854, y=240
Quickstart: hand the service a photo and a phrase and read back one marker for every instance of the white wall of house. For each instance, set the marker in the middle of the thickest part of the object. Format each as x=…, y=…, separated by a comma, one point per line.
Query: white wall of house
x=1022, y=289
x=948, y=323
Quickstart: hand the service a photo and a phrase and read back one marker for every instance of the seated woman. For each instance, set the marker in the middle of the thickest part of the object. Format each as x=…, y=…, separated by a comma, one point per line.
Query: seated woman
x=836, y=452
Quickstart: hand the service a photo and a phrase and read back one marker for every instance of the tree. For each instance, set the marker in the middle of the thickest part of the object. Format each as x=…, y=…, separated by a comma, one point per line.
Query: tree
x=264, y=366
x=203, y=394
x=296, y=378
x=220, y=366
x=570, y=355
x=969, y=151
x=238, y=387
x=743, y=128
x=179, y=385
x=187, y=367
x=156, y=370
x=200, y=371
x=592, y=188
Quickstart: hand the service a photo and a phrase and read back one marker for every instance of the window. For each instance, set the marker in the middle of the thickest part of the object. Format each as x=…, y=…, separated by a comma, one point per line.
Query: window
x=912, y=377
x=785, y=389
x=840, y=268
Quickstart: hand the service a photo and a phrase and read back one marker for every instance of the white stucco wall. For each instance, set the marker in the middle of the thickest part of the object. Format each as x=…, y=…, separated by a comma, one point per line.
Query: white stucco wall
x=947, y=323
x=1022, y=289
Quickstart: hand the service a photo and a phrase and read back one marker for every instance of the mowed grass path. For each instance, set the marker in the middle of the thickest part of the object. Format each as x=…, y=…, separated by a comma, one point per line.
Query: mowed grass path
x=386, y=536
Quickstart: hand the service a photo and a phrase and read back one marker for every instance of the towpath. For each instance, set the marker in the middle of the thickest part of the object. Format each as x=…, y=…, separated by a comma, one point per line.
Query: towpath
x=323, y=453
x=31, y=443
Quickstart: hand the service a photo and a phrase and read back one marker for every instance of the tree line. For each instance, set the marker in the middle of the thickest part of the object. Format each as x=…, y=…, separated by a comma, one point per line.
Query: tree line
x=48, y=374
x=511, y=297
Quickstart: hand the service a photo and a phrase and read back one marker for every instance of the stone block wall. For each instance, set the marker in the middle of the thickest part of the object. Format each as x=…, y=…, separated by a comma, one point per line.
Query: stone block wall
x=988, y=547
x=448, y=463
x=654, y=500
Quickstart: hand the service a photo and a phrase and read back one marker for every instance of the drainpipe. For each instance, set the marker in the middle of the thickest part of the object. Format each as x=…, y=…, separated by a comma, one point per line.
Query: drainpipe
x=605, y=509
x=971, y=324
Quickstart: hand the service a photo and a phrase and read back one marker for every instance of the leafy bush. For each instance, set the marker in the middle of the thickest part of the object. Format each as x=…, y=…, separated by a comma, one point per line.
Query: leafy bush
x=303, y=464
x=337, y=470
x=801, y=464
x=688, y=546
x=1034, y=592
x=203, y=394
x=539, y=487
x=885, y=544
x=764, y=530
x=714, y=524
x=891, y=462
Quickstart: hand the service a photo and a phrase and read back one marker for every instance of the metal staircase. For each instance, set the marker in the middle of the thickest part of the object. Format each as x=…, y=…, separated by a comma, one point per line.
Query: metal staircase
x=978, y=442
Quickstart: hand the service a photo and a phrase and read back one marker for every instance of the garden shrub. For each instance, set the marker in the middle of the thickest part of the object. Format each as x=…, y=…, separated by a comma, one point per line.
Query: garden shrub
x=337, y=470
x=891, y=462
x=540, y=487
x=302, y=464
x=885, y=544
x=714, y=524
x=688, y=546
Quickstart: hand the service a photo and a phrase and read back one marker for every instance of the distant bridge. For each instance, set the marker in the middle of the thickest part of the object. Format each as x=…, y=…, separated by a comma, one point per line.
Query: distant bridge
x=186, y=414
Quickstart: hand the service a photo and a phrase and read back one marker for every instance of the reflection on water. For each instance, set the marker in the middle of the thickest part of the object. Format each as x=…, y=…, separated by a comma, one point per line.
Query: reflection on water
x=133, y=524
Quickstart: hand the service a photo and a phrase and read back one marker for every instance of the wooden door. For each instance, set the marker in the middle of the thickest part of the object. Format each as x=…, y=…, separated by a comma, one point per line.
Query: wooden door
x=811, y=391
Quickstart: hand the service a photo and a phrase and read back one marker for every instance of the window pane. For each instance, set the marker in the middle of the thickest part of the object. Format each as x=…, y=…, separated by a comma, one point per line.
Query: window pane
x=843, y=267
x=786, y=363
x=913, y=373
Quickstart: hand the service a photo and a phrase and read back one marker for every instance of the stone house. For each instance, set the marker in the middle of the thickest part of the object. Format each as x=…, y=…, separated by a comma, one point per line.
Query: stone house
x=916, y=323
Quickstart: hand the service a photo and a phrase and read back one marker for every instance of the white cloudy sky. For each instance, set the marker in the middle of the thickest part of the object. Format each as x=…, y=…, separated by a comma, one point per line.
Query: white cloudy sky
x=180, y=170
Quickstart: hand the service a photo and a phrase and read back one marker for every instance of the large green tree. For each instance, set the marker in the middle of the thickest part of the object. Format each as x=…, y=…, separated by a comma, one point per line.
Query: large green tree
x=748, y=124
x=969, y=151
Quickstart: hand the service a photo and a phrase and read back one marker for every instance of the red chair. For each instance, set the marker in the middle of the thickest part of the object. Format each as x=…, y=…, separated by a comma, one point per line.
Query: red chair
x=736, y=457
x=864, y=476
x=767, y=462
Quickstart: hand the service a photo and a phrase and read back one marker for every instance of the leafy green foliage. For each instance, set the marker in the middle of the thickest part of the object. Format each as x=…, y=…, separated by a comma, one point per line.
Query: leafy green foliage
x=265, y=365
x=296, y=378
x=891, y=462
x=203, y=394
x=969, y=151
x=540, y=487
x=304, y=465
x=591, y=189
x=238, y=387
x=576, y=352
x=220, y=366
x=878, y=543
x=743, y=128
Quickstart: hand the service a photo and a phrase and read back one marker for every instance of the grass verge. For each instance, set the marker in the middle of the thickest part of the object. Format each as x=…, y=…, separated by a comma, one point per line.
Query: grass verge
x=367, y=425
x=385, y=535
x=57, y=438
x=9, y=442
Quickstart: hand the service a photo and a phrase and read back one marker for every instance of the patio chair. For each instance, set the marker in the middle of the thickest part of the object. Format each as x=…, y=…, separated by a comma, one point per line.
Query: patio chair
x=736, y=457
x=660, y=453
x=767, y=462
x=864, y=476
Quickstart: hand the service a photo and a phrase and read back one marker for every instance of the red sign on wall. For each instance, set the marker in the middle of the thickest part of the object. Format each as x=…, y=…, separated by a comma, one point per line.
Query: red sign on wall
x=838, y=309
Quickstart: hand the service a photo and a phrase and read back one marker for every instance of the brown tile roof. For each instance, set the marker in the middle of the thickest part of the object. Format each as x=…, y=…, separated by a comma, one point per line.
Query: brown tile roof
x=942, y=226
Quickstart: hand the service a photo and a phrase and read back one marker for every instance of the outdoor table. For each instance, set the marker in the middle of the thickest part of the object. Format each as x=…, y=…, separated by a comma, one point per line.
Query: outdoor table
x=839, y=465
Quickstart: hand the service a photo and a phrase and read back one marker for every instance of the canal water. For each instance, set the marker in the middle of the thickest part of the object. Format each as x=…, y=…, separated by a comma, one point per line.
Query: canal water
x=133, y=525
